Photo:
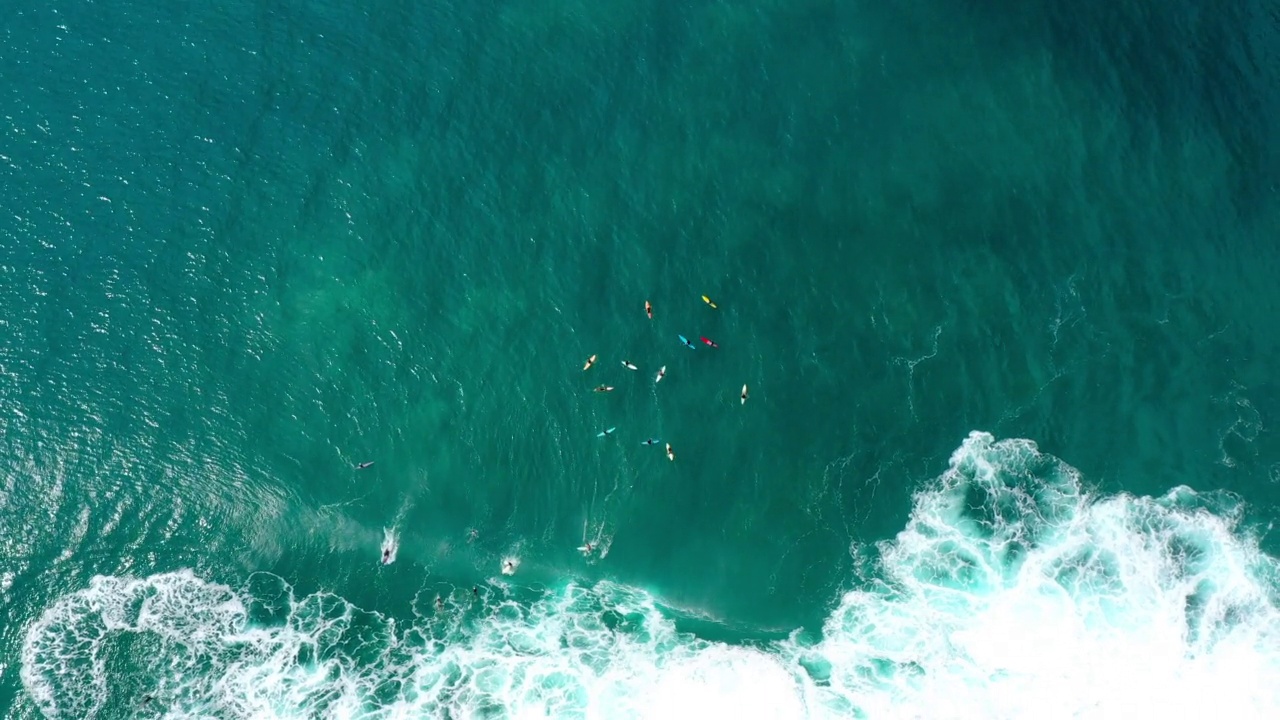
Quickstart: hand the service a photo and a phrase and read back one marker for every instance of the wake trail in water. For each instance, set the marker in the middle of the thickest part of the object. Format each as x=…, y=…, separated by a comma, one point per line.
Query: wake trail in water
x=595, y=544
x=390, y=545
x=391, y=535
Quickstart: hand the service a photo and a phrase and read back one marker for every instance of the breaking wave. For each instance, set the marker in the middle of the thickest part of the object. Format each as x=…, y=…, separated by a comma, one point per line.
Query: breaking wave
x=1011, y=593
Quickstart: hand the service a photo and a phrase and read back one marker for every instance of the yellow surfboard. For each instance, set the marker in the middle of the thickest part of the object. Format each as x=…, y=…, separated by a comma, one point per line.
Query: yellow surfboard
x=707, y=300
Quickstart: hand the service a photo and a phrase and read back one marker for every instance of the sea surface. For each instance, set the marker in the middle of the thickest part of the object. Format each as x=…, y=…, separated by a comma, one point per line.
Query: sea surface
x=1002, y=280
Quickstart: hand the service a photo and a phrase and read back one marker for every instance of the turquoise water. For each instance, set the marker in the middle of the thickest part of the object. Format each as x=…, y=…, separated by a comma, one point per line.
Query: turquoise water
x=248, y=247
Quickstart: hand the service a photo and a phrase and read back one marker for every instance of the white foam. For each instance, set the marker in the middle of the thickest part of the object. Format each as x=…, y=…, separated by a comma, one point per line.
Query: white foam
x=1011, y=593
x=720, y=681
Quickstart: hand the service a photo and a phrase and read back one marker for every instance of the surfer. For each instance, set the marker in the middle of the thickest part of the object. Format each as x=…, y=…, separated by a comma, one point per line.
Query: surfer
x=662, y=372
x=439, y=604
x=363, y=465
x=508, y=567
x=648, y=309
x=587, y=549
x=475, y=591
x=708, y=301
x=472, y=535
x=604, y=388
x=710, y=342
x=744, y=395
x=686, y=342
x=390, y=544
x=590, y=361
x=671, y=454
x=628, y=365
x=606, y=433
x=651, y=441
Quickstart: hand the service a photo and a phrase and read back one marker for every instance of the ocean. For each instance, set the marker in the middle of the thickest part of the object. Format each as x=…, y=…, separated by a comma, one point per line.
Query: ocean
x=999, y=278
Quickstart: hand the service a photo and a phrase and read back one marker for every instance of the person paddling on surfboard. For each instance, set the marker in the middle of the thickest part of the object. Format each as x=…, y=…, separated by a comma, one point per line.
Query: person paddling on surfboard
x=710, y=342
x=708, y=301
x=686, y=342
x=648, y=309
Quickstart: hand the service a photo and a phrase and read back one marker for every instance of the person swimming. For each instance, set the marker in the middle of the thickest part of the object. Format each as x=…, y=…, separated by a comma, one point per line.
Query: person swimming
x=651, y=441
x=604, y=388
x=686, y=342
x=363, y=465
x=606, y=433
x=661, y=374
x=628, y=365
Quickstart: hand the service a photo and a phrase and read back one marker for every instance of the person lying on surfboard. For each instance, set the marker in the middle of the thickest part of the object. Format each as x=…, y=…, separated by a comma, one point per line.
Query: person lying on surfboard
x=590, y=361
x=710, y=342
x=686, y=342
x=708, y=301
x=648, y=309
